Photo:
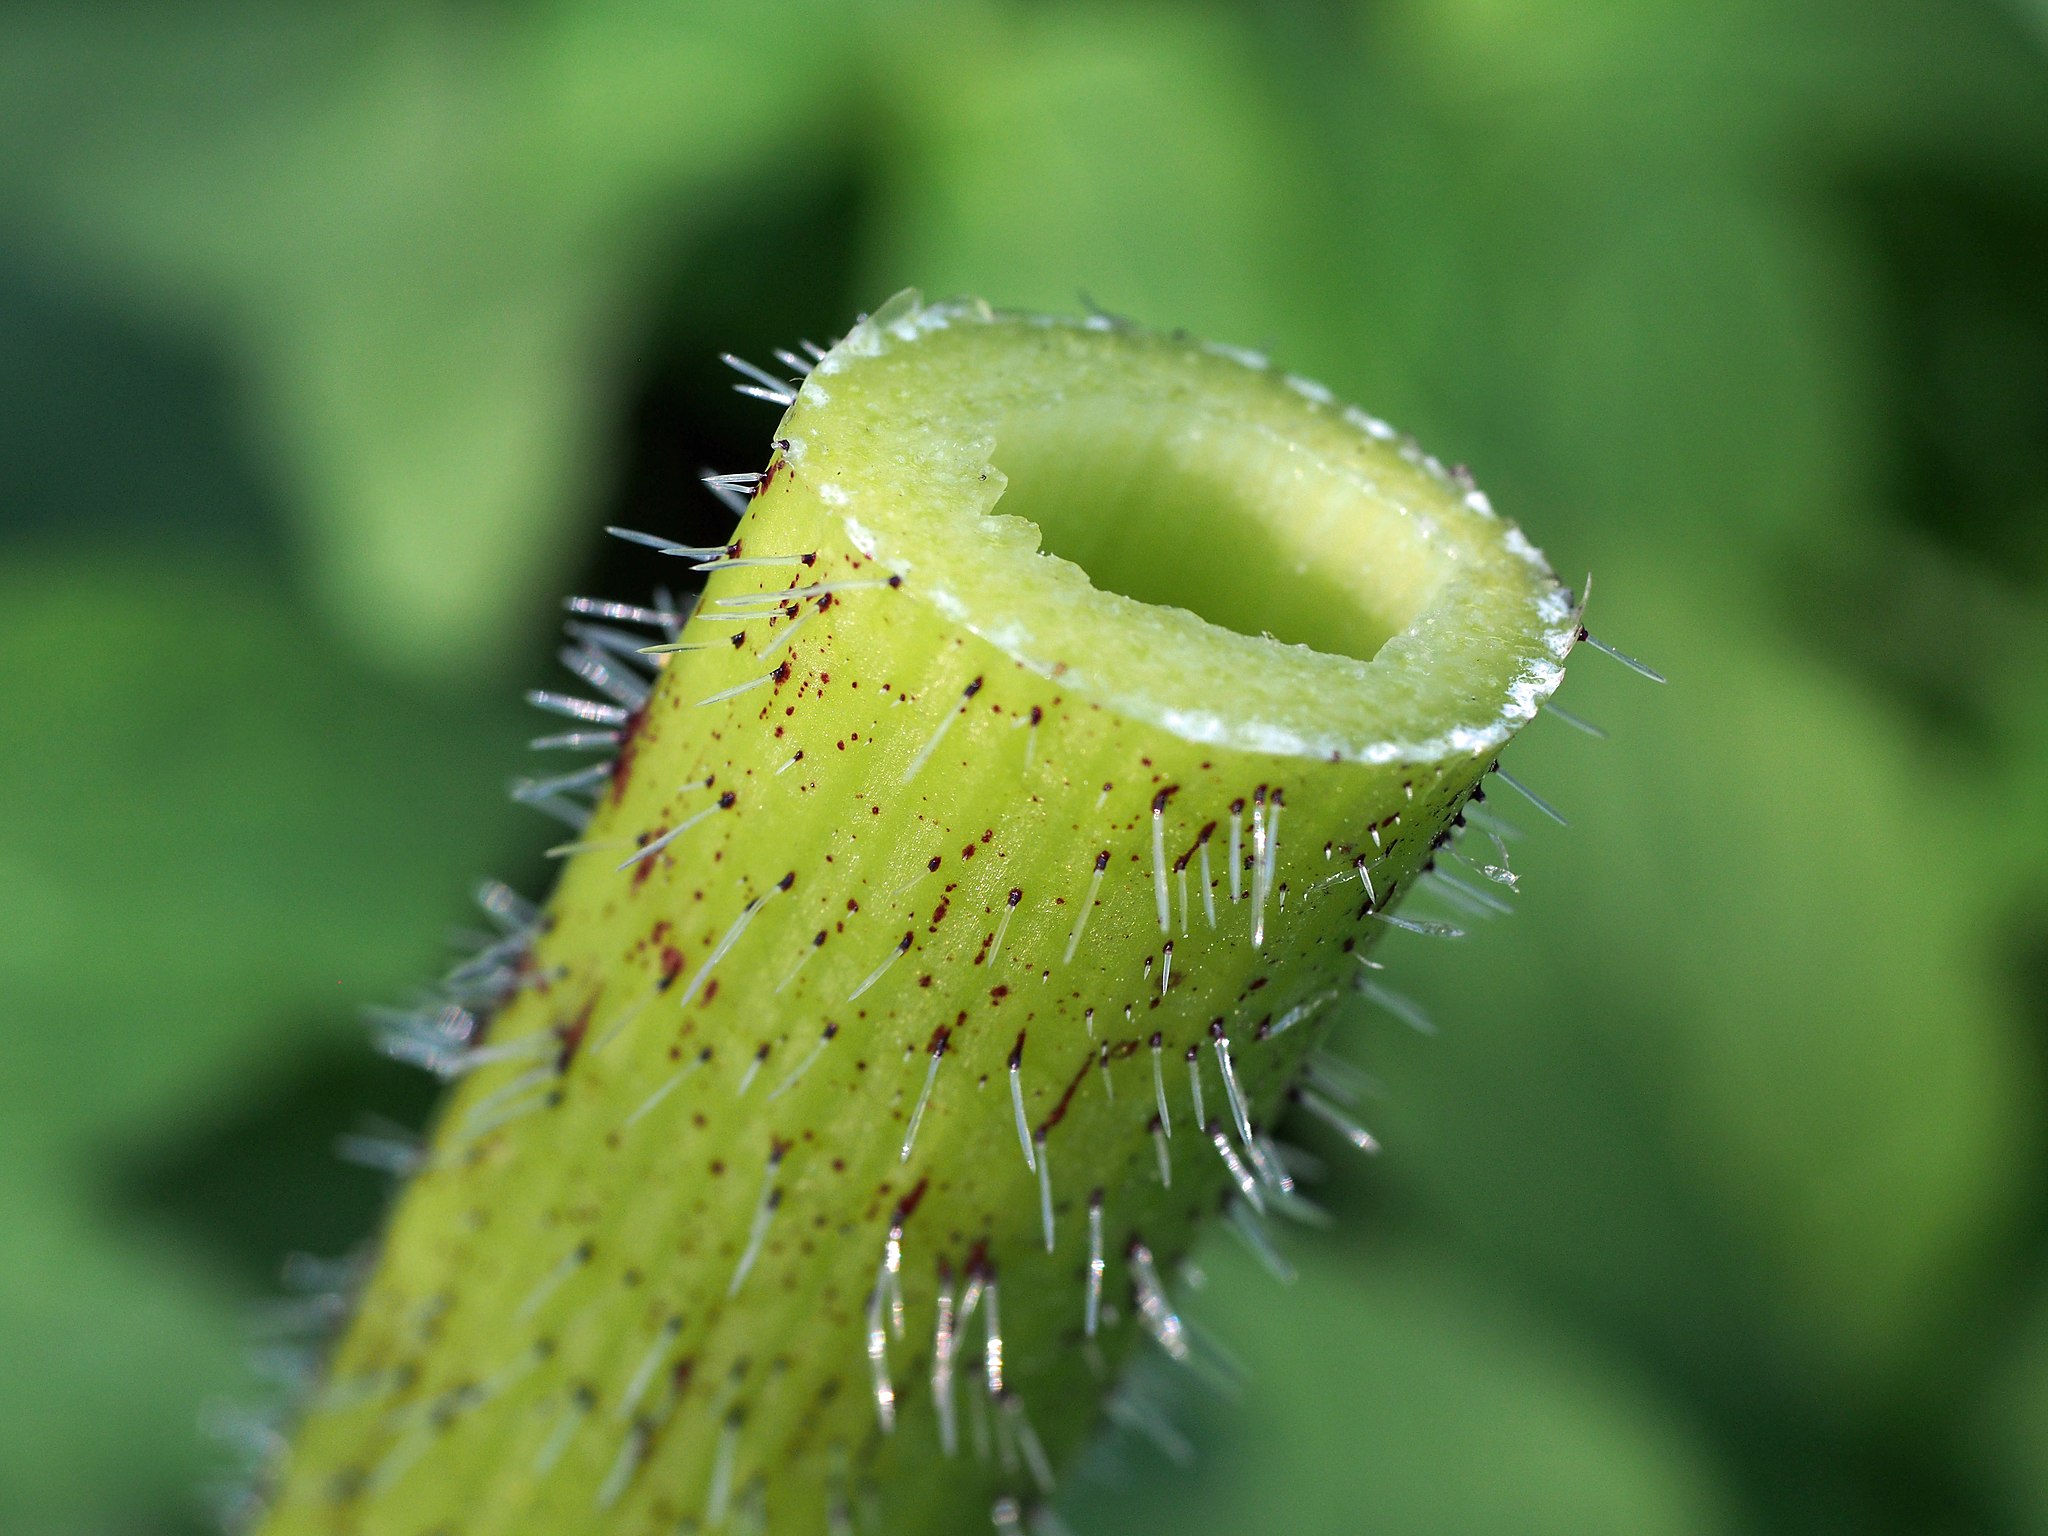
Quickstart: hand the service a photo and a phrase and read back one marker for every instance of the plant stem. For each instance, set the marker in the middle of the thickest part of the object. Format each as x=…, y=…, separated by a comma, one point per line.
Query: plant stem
x=811, y=1175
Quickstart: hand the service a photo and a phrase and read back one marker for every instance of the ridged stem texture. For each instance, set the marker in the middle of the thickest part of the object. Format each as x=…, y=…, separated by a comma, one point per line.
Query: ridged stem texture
x=974, y=870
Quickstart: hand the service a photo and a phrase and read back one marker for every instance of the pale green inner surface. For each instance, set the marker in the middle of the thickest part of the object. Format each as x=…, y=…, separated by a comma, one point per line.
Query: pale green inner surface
x=1203, y=545
x=1186, y=509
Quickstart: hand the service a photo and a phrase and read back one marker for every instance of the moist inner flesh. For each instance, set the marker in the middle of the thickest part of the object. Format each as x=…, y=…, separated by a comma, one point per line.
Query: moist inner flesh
x=1177, y=507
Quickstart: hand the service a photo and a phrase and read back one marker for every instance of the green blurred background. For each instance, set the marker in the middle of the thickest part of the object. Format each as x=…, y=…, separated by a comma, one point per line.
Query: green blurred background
x=329, y=336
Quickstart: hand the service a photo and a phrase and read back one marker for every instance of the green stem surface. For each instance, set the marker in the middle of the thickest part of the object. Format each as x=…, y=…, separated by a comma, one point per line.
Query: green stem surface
x=1101, y=692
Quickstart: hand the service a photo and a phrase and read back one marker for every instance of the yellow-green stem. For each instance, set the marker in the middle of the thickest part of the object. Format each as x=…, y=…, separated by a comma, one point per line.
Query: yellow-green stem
x=975, y=868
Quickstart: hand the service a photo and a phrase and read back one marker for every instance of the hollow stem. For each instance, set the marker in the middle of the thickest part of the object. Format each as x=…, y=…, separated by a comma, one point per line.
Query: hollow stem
x=1070, y=701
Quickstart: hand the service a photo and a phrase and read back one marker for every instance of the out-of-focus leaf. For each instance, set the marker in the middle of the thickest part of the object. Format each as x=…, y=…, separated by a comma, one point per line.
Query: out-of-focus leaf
x=1671, y=85
x=1605, y=254
x=423, y=230
x=226, y=841
x=228, y=836
x=1734, y=1076
x=1130, y=155
x=1395, y=1397
x=2010, y=1423
x=1694, y=375
x=109, y=1344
